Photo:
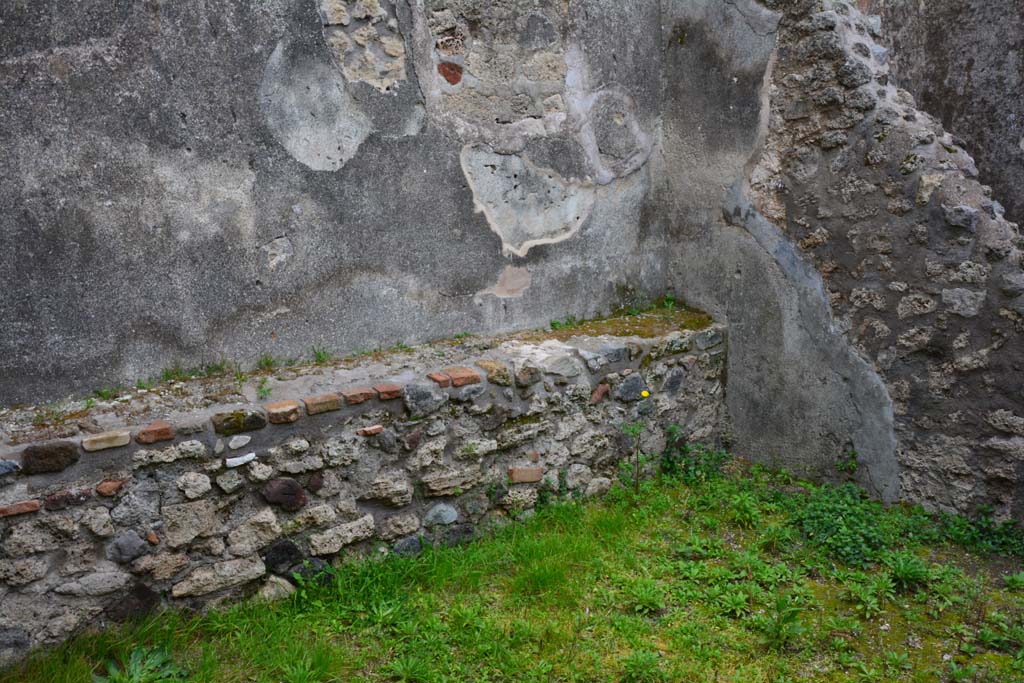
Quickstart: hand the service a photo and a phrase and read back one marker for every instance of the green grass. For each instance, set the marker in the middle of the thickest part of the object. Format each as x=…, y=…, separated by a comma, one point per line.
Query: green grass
x=746, y=576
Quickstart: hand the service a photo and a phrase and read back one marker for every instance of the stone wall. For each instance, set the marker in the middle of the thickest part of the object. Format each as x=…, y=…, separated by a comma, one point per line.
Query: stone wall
x=963, y=61
x=920, y=266
x=426, y=447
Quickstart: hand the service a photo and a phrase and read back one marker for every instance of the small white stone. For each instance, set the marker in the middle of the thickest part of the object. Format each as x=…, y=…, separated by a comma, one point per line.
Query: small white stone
x=240, y=460
x=239, y=441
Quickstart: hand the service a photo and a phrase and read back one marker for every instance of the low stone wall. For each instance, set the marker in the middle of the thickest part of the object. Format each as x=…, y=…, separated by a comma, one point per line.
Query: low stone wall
x=227, y=500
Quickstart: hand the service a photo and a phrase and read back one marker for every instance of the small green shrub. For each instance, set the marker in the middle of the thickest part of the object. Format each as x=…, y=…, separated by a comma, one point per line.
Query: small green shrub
x=144, y=665
x=645, y=597
x=908, y=571
x=643, y=666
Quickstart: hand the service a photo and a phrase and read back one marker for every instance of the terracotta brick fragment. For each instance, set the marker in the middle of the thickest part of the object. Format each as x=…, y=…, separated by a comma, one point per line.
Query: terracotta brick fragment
x=322, y=403
x=21, y=508
x=371, y=431
x=525, y=475
x=161, y=430
x=599, y=394
x=105, y=440
x=388, y=392
x=443, y=380
x=152, y=538
x=358, y=395
x=110, y=487
x=450, y=72
x=461, y=376
x=283, y=412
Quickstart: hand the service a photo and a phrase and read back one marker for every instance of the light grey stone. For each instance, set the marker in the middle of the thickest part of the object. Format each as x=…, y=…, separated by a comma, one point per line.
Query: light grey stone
x=442, y=513
x=194, y=485
x=219, y=576
x=333, y=540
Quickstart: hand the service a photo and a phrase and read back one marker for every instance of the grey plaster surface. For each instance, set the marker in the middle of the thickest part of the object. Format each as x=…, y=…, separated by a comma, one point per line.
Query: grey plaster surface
x=963, y=60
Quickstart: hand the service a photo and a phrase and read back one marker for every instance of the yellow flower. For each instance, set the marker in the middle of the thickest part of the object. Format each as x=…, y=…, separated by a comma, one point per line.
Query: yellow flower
x=645, y=393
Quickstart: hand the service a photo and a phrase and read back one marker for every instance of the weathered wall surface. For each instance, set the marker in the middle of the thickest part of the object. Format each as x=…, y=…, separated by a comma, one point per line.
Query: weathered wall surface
x=798, y=394
x=963, y=61
x=186, y=182
x=233, y=498
x=211, y=181
x=921, y=268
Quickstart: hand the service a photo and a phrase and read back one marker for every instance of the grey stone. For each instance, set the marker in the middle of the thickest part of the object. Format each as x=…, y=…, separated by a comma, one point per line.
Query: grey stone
x=97, y=520
x=333, y=540
x=230, y=481
x=396, y=526
x=598, y=486
x=631, y=388
x=219, y=576
x=963, y=217
x=194, y=485
x=391, y=487
x=408, y=546
x=126, y=546
x=8, y=467
x=442, y=513
x=237, y=421
x=423, y=399
x=470, y=393
x=186, y=521
x=254, y=533
x=963, y=302
x=239, y=441
x=99, y=583
x=22, y=571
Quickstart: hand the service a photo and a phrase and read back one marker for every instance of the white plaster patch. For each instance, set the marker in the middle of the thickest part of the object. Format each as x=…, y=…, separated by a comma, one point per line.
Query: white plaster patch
x=307, y=108
x=525, y=205
x=511, y=284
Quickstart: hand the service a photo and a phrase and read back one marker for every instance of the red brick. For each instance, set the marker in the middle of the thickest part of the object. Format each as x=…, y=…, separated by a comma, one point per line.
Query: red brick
x=152, y=538
x=450, y=72
x=599, y=394
x=283, y=412
x=371, y=431
x=358, y=395
x=525, y=475
x=21, y=508
x=322, y=403
x=388, y=392
x=161, y=430
x=110, y=487
x=443, y=380
x=461, y=376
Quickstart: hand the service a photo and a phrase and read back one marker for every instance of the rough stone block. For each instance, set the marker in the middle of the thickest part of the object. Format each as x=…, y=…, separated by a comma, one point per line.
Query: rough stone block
x=497, y=372
x=67, y=498
x=358, y=395
x=525, y=475
x=161, y=430
x=283, y=412
x=219, y=576
x=388, y=392
x=333, y=540
x=112, y=439
x=237, y=421
x=461, y=376
x=21, y=508
x=286, y=493
x=322, y=403
x=54, y=456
